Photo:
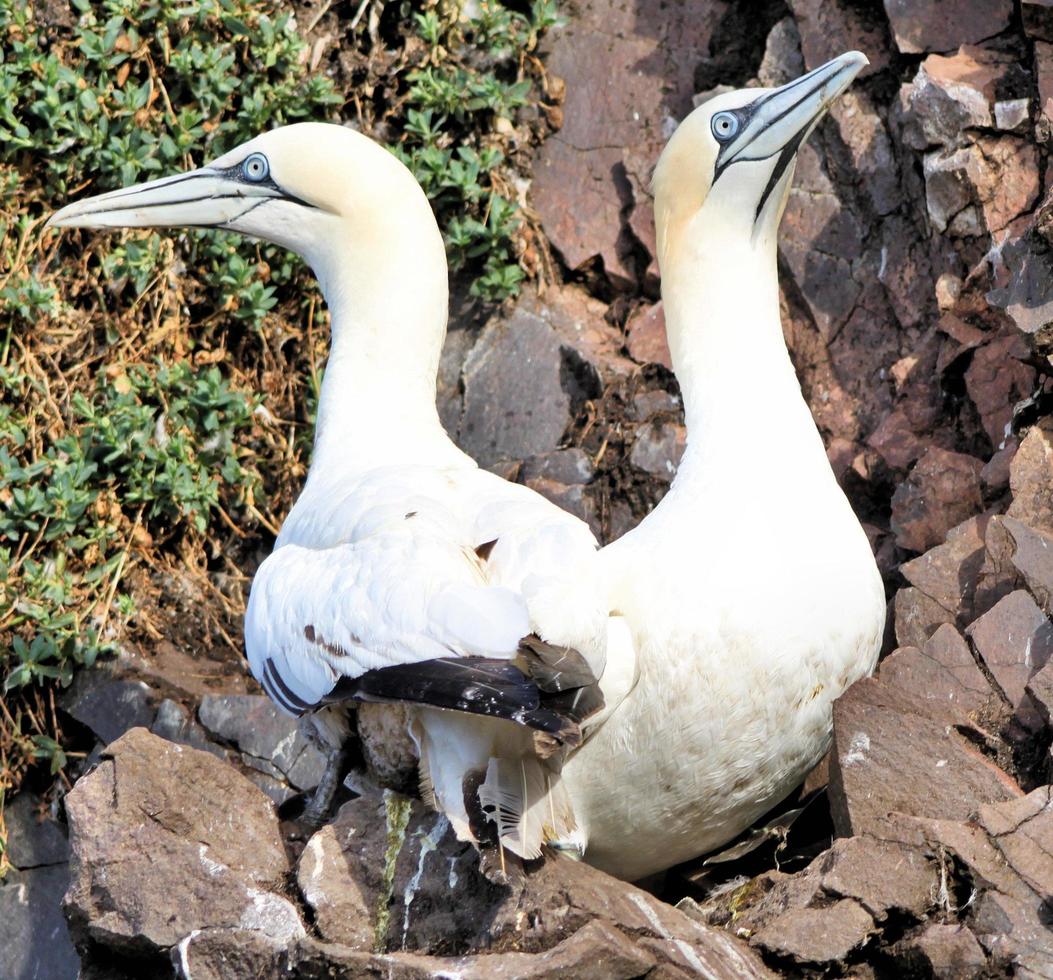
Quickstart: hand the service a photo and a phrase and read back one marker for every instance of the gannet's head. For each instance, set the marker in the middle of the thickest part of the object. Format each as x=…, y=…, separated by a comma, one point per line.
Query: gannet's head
x=731, y=161
x=297, y=186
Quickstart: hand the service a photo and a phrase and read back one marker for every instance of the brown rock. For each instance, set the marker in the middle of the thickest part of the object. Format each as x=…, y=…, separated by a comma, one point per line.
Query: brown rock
x=639, y=166
x=1044, y=71
x=996, y=380
x=817, y=935
x=1038, y=18
x=995, y=475
x=830, y=27
x=967, y=336
x=1003, y=855
x=903, y=265
x=820, y=240
x=572, y=499
x=1031, y=478
x=942, y=25
x=967, y=840
x=1040, y=689
x=949, y=95
x=1033, y=558
x=222, y=954
x=658, y=449
x=980, y=187
x=594, y=345
x=950, y=195
x=1007, y=185
x=647, y=340
x=1027, y=296
x=895, y=743
x=782, y=61
x=942, y=490
x=959, y=688
x=448, y=394
x=998, y=576
x=580, y=186
x=379, y=876
x=1022, y=830
x=917, y=386
x=567, y=466
x=1015, y=930
x=597, y=951
x=839, y=409
x=1014, y=639
x=883, y=877
x=917, y=617
x=157, y=853
x=526, y=374
x=516, y=365
x=895, y=442
x=1014, y=924
x=388, y=750
x=653, y=402
x=947, y=951
x=948, y=572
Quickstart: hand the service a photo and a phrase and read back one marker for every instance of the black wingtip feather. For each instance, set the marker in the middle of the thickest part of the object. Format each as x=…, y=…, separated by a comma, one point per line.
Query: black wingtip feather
x=476, y=685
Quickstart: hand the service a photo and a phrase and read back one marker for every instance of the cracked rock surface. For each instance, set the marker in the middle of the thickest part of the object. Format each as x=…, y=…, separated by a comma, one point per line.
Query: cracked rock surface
x=916, y=271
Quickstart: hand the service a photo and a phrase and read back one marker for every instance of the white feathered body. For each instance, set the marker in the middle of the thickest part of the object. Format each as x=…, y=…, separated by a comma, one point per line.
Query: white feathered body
x=745, y=635
x=380, y=567
x=751, y=590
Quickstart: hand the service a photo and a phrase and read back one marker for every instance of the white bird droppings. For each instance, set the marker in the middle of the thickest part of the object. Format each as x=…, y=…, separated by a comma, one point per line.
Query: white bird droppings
x=214, y=868
x=184, y=959
x=428, y=843
x=685, y=947
x=858, y=747
x=272, y=915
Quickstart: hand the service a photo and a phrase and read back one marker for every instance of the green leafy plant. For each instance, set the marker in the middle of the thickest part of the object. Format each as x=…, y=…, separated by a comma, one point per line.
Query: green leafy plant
x=122, y=440
x=460, y=108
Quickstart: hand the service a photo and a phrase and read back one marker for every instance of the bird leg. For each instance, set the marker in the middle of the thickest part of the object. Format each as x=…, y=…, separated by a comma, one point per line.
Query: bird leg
x=321, y=803
x=328, y=731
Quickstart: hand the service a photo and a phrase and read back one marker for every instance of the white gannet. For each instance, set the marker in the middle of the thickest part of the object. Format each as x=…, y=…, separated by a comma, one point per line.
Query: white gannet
x=751, y=590
x=404, y=572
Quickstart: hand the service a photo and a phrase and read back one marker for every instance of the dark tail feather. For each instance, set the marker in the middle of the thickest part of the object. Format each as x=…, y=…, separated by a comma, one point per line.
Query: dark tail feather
x=477, y=685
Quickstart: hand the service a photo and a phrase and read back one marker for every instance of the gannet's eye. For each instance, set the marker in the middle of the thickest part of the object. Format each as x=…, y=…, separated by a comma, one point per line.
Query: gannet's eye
x=255, y=167
x=725, y=126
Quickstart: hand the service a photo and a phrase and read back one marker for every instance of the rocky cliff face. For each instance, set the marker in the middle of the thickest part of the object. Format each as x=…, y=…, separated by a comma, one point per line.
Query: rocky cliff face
x=916, y=264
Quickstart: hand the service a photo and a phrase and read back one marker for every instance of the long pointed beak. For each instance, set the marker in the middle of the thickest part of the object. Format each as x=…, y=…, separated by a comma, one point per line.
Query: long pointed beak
x=200, y=198
x=782, y=119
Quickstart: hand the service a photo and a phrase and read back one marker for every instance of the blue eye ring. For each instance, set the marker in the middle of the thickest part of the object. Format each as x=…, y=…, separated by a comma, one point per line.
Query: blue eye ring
x=255, y=168
x=725, y=126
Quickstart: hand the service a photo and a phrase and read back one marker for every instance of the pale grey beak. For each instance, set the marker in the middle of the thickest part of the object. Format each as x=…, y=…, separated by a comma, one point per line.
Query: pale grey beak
x=204, y=198
x=780, y=120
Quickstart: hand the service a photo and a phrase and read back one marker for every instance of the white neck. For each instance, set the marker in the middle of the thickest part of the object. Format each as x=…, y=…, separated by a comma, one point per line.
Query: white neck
x=745, y=413
x=387, y=295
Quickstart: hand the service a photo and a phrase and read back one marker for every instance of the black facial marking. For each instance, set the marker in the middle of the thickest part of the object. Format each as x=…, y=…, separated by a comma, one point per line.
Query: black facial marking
x=746, y=114
x=785, y=159
x=237, y=173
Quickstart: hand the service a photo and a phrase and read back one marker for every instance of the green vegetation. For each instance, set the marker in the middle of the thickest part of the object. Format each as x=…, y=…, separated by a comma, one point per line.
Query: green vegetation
x=452, y=115
x=157, y=390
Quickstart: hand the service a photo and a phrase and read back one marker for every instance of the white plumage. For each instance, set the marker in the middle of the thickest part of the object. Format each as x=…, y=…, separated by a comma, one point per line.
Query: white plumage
x=401, y=555
x=751, y=591
x=744, y=604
